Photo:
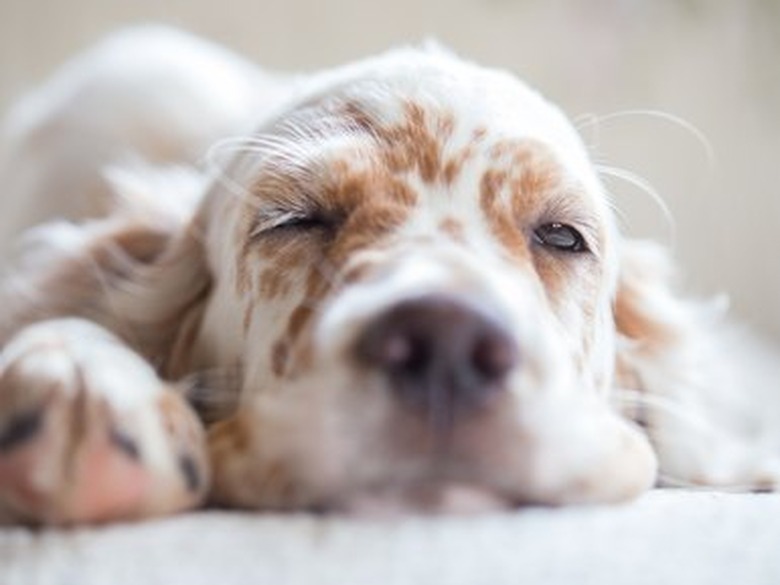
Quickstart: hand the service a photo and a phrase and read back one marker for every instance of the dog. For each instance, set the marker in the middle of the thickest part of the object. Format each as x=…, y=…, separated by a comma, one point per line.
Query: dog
x=398, y=283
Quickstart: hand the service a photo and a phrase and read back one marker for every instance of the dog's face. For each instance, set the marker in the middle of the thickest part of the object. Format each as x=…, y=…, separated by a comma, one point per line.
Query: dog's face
x=414, y=268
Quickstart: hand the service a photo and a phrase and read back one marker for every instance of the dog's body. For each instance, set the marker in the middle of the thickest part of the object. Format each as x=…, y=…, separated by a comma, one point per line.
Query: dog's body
x=401, y=282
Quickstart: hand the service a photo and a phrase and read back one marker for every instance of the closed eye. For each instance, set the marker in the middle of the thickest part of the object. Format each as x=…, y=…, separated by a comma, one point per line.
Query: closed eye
x=281, y=222
x=304, y=223
x=560, y=237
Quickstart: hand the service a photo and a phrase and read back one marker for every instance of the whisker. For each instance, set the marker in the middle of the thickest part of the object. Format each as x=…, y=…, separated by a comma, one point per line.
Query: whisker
x=640, y=399
x=595, y=121
x=221, y=176
x=591, y=121
x=619, y=214
x=644, y=186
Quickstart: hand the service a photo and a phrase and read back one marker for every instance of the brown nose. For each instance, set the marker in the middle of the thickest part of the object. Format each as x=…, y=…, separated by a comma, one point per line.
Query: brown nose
x=438, y=353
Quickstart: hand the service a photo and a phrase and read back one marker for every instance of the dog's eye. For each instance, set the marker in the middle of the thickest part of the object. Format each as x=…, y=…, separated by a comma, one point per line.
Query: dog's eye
x=304, y=223
x=281, y=223
x=560, y=237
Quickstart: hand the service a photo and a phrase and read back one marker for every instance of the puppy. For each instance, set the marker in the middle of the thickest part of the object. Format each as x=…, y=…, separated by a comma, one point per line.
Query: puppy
x=397, y=283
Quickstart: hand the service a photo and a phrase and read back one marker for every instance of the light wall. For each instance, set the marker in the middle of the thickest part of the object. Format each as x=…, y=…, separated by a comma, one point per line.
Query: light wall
x=712, y=64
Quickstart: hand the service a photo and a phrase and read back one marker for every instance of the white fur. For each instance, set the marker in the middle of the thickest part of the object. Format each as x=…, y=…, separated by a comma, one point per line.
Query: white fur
x=559, y=438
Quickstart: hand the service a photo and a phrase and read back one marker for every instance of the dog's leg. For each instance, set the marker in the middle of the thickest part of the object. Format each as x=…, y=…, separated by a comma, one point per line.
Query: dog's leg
x=89, y=433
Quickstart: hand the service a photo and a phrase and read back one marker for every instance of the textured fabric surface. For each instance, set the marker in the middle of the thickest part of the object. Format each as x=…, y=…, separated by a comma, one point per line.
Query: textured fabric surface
x=665, y=537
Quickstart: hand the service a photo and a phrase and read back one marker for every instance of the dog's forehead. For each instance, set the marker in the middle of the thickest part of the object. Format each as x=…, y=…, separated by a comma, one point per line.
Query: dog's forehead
x=459, y=97
x=431, y=115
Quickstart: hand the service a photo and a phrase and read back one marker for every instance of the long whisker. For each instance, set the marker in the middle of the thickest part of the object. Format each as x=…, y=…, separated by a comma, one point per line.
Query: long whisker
x=595, y=121
x=636, y=398
x=644, y=186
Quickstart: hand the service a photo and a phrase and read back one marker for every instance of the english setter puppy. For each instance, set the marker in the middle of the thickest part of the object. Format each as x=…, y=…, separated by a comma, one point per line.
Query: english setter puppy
x=396, y=283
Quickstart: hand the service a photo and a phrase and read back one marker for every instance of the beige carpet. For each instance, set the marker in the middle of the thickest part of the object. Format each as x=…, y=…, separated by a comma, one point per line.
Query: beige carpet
x=674, y=537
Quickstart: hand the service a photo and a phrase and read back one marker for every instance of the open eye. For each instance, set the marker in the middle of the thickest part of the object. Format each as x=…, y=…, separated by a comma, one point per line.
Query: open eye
x=561, y=237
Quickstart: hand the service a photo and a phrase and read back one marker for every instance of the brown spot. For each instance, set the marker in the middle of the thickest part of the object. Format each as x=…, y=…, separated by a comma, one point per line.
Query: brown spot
x=478, y=135
x=636, y=320
x=418, y=144
x=275, y=281
x=356, y=273
x=231, y=435
x=293, y=350
x=643, y=298
x=503, y=148
x=493, y=181
x=454, y=165
x=518, y=190
x=366, y=228
x=453, y=228
x=500, y=216
x=300, y=317
x=247, y=320
x=279, y=357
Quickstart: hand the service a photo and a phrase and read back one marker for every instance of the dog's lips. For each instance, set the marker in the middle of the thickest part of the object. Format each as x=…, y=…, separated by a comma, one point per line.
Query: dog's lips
x=428, y=499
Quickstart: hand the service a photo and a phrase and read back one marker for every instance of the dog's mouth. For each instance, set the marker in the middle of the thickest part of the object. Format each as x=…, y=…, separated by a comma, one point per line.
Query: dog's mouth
x=438, y=480
x=426, y=498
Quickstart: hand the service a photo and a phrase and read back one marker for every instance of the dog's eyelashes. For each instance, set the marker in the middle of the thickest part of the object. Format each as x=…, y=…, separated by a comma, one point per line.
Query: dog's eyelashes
x=294, y=223
x=561, y=237
x=305, y=223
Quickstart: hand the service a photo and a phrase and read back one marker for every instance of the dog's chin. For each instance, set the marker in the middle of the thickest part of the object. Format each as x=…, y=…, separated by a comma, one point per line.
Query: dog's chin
x=440, y=498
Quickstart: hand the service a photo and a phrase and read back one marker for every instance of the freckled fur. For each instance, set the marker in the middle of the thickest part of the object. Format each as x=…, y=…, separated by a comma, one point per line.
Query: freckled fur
x=429, y=176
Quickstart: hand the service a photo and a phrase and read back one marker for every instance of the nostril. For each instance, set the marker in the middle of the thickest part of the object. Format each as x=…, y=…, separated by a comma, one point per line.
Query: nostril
x=493, y=356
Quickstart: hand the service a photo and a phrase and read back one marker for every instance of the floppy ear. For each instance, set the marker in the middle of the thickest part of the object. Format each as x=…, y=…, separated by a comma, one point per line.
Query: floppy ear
x=157, y=305
x=140, y=272
x=686, y=375
x=651, y=321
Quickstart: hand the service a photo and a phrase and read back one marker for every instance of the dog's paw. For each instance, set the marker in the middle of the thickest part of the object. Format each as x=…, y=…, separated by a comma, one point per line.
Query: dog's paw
x=89, y=433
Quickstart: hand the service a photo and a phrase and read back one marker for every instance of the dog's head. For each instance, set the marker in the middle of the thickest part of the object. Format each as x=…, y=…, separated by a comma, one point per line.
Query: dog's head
x=414, y=268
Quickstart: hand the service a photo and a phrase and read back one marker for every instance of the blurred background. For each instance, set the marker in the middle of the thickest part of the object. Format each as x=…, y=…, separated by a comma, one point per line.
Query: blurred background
x=626, y=70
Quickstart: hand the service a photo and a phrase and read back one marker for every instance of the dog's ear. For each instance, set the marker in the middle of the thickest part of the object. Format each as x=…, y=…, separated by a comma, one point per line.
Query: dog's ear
x=653, y=327
x=159, y=302
x=651, y=320
x=681, y=374
x=140, y=271
x=658, y=331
